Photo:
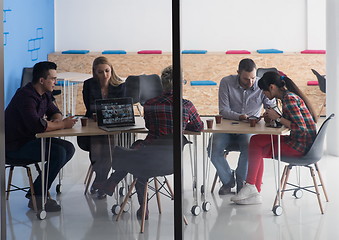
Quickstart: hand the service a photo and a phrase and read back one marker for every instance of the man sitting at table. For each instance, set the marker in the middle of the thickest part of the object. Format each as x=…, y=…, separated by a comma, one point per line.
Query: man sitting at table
x=239, y=98
x=32, y=111
x=158, y=115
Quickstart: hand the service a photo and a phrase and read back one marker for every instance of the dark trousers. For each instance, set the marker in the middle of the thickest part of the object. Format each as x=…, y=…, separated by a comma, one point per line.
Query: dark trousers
x=61, y=152
x=118, y=175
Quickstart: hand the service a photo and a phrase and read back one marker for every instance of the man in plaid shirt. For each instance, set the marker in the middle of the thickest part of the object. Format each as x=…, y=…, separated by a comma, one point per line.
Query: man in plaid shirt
x=158, y=111
x=158, y=115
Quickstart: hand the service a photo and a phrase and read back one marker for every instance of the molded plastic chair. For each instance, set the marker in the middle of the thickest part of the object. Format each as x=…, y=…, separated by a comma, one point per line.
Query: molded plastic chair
x=322, y=86
x=143, y=87
x=153, y=160
x=261, y=71
x=13, y=163
x=27, y=75
x=312, y=157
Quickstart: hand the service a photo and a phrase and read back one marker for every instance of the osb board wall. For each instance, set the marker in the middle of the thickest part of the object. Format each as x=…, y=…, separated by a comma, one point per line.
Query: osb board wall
x=210, y=66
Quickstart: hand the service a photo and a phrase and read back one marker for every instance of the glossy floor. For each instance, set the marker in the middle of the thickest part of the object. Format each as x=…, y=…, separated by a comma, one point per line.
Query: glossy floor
x=85, y=217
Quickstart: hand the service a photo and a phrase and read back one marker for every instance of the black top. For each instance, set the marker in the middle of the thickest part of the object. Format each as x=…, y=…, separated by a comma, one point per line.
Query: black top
x=92, y=91
x=24, y=116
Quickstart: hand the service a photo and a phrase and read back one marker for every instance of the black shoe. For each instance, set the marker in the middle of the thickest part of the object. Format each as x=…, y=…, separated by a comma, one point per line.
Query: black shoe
x=93, y=190
x=94, y=187
x=50, y=206
x=101, y=195
x=226, y=188
x=139, y=213
x=107, y=187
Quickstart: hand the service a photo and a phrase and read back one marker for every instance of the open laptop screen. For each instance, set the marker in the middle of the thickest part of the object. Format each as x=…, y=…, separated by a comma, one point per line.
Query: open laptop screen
x=115, y=112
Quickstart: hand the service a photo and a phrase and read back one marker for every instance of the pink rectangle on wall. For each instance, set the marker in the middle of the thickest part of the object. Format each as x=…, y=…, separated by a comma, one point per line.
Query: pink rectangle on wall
x=238, y=52
x=150, y=52
x=313, y=52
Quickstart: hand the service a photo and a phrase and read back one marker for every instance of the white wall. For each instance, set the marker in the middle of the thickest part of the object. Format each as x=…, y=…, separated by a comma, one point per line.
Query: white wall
x=214, y=25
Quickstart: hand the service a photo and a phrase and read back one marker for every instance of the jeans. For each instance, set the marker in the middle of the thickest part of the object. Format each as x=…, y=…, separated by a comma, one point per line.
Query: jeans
x=216, y=148
x=61, y=152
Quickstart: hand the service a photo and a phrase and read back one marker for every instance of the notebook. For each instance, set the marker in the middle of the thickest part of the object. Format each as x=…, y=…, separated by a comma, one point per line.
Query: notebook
x=116, y=114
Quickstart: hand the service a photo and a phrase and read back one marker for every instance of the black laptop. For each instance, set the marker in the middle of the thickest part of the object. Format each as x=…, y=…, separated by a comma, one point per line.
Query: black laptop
x=116, y=114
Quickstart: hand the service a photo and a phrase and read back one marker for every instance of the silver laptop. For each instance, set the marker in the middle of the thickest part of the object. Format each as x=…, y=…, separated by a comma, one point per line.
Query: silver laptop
x=116, y=114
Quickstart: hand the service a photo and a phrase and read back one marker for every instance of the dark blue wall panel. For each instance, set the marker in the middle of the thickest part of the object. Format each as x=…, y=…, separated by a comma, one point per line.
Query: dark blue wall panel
x=28, y=38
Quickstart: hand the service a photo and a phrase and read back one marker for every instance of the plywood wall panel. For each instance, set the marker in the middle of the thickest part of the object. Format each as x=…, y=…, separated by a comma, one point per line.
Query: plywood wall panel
x=210, y=66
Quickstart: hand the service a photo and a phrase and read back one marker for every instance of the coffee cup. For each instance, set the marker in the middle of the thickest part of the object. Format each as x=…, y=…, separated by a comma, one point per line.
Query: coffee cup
x=84, y=121
x=218, y=119
x=267, y=119
x=253, y=121
x=209, y=123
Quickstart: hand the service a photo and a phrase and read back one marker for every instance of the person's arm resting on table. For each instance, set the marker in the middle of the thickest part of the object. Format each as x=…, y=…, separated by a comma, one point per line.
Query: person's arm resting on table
x=57, y=122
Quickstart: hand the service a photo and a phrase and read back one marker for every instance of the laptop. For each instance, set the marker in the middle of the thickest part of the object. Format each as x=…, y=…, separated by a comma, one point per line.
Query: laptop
x=116, y=114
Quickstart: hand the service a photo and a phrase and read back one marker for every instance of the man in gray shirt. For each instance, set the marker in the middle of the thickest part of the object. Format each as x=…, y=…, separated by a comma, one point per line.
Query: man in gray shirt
x=239, y=98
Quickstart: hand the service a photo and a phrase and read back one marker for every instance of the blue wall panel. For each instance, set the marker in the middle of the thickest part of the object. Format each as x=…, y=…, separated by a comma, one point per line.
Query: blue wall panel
x=28, y=38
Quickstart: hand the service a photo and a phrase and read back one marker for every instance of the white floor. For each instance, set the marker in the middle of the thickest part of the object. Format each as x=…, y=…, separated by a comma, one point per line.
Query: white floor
x=85, y=217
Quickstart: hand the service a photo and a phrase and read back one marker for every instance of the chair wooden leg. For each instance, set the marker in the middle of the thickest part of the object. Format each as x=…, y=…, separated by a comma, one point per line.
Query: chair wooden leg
x=131, y=187
x=316, y=189
x=88, y=173
x=214, y=182
x=29, y=174
x=156, y=186
x=89, y=178
x=144, y=208
x=9, y=182
x=169, y=188
x=284, y=183
x=282, y=180
x=185, y=220
x=321, y=181
x=322, y=107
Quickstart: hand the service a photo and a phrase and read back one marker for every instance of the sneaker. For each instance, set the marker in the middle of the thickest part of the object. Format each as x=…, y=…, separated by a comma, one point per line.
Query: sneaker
x=257, y=199
x=139, y=213
x=50, y=206
x=247, y=191
x=226, y=188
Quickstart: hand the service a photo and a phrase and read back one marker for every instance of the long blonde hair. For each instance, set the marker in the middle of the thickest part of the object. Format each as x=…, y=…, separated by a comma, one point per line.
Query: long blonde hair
x=115, y=80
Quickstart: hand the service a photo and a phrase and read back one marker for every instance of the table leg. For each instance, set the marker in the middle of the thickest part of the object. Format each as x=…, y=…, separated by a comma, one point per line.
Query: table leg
x=42, y=213
x=205, y=205
x=277, y=209
x=64, y=97
x=195, y=210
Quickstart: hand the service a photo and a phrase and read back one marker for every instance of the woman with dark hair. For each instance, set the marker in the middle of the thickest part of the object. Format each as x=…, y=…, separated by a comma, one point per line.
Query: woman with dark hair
x=104, y=84
x=297, y=115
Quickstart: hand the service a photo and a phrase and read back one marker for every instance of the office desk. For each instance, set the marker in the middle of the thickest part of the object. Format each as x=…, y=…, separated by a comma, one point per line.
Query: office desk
x=242, y=127
x=68, y=80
